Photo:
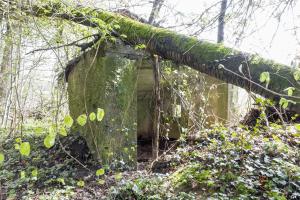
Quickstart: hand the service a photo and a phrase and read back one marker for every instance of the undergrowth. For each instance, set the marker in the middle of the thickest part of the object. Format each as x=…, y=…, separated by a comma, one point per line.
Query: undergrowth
x=219, y=163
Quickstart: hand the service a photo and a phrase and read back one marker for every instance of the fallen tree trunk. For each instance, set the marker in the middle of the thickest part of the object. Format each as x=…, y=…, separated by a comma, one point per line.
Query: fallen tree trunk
x=227, y=64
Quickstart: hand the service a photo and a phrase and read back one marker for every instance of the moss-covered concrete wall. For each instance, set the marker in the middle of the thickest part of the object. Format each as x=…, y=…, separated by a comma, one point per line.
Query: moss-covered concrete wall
x=108, y=81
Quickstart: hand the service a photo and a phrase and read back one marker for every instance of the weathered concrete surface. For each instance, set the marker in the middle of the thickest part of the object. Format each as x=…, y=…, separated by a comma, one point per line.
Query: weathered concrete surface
x=145, y=100
x=107, y=81
x=217, y=107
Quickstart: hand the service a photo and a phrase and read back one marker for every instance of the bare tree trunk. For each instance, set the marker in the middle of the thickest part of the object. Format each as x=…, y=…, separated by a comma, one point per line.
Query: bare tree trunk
x=157, y=105
x=220, y=39
x=17, y=108
x=221, y=24
x=5, y=74
x=155, y=10
x=5, y=61
x=156, y=73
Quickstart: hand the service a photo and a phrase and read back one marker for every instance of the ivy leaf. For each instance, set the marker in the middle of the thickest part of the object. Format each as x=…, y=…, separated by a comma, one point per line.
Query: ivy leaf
x=2, y=157
x=284, y=103
x=25, y=148
x=63, y=131
x=290, y=90
x=92, y=116
x=100, y=172
x=265, y=78
x=297, y=75
x=49, y=141
x=68, y=121
x=101, y=182
x=22, y=175
x=81, y=120
x=100, y=114
x=80, y=183
x=34, y=173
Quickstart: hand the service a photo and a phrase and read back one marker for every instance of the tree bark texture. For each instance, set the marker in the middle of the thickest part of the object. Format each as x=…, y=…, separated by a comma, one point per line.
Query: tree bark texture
x=157, y=115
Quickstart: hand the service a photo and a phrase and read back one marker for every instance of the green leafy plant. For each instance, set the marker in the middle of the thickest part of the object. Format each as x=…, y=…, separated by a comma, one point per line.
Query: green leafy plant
x=22, y=174
x=92, y=116
x=265, y=78
x=49, y=140
x=297, y=75
x=284, y=103
x=100, y=114
x=25, y=148
x=82, y=119
x=2, y=158
x=34, y=173
x=80, y=183
x=290, y=91
x=68, y=121
x=100, y=172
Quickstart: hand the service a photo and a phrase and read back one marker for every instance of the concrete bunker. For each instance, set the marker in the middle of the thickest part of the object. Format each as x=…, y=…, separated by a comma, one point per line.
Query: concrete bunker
x=119, y=79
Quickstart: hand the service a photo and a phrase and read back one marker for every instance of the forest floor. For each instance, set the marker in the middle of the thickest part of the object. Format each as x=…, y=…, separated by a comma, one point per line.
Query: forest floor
x=219, y=163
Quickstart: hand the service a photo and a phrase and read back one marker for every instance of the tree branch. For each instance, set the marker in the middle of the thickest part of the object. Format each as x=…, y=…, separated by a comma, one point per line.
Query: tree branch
x=83, y=46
